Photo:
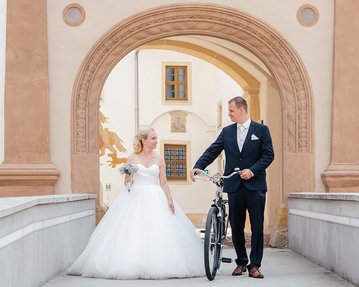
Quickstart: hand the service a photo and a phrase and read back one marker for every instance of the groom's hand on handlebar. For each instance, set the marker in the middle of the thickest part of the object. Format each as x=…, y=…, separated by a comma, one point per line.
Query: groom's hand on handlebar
x=193, y=174
x=246, y=174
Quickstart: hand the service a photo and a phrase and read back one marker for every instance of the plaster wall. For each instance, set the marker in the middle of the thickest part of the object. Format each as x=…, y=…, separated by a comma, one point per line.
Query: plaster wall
x=209, y=85
x=2, y=72
x=204, y=89
x=69, y=45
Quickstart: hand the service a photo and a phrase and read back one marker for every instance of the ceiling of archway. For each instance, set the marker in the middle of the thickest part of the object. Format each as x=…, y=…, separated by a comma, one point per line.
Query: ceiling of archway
x=227, y=49
x=234, y=61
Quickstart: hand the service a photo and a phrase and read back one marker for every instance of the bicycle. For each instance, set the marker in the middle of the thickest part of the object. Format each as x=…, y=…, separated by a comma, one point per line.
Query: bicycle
x=216, y=226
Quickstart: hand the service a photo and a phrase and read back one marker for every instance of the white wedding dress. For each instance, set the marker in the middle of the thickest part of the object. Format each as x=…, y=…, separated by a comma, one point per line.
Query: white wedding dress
x=139, y=237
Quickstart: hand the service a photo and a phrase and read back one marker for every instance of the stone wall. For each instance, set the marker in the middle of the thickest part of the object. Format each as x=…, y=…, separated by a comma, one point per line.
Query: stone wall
x=324, y=227
x=41, y=236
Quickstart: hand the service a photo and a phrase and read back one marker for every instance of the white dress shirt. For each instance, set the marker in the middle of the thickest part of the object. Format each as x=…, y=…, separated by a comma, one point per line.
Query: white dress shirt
x=242, y=131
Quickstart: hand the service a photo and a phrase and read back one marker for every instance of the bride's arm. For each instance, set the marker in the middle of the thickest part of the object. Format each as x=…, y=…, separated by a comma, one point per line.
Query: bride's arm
x=128, y=178
x=164, y=185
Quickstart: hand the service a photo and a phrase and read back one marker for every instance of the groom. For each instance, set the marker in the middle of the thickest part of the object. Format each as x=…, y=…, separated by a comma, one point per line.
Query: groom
x=247, y=145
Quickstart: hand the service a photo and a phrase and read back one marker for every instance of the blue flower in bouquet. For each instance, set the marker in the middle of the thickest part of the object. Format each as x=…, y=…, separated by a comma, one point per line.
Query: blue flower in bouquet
x=128, y=169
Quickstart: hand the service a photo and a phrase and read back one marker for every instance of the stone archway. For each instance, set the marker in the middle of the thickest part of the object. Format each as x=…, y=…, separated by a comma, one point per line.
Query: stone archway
x=196, y=19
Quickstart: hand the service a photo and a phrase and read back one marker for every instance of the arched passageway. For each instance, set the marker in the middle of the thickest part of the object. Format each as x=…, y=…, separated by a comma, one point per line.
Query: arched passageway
x=196, y=19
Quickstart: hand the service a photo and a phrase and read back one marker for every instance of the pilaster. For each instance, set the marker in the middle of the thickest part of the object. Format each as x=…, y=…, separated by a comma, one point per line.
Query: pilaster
x=342, y=173
x=27, y=169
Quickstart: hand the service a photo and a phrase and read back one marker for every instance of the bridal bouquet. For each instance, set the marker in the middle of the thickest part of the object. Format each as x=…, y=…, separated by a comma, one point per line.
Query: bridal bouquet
x=128, y=169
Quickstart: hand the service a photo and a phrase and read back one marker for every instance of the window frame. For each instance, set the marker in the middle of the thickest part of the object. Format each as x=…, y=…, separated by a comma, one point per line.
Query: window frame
x=177, y=83
x=175, y=161
x=175, y=180
x=177, y=100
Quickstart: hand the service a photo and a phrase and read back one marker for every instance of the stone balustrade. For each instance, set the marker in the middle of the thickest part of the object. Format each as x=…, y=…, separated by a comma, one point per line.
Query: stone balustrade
x=324, y=227
x=41, y=236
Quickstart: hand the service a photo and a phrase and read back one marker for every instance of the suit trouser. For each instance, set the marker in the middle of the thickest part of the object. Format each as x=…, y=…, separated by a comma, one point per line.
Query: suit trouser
x=239, y=202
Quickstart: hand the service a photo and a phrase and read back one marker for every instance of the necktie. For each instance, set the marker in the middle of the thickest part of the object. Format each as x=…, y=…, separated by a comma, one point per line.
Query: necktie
x=240, y=136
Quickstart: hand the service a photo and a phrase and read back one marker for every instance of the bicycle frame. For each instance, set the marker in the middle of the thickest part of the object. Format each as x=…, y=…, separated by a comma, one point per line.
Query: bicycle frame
x=216, y=227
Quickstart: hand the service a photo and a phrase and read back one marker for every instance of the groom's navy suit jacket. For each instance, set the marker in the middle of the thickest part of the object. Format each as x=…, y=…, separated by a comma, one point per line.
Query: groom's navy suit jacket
x=256, y=155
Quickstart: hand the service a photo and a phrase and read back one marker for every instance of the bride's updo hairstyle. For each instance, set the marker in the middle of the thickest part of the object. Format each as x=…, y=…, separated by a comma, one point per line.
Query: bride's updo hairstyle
x=141, y=135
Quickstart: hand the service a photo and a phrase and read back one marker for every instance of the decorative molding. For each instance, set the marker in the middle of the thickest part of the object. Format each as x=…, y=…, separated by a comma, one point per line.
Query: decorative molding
x=188, y=19
x=341, y=178
x=27, y=179
x=210, y=20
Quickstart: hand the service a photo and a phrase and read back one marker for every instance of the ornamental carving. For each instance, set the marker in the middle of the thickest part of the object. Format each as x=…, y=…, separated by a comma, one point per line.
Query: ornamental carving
x=189, y=19
x=178, y=121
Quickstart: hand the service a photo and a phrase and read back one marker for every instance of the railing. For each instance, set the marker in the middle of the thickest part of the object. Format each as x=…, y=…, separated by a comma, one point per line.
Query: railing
x=41, y=236
x=324, y=227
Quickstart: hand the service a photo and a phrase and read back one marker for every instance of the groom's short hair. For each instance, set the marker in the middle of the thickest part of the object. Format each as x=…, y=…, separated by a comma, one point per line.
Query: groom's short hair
x=240, y=102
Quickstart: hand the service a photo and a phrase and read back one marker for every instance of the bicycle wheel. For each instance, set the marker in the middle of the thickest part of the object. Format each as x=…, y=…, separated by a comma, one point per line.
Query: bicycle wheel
x=212, y=243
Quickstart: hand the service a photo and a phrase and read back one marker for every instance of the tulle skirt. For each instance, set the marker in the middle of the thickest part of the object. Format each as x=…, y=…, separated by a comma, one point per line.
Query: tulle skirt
x=139, y=237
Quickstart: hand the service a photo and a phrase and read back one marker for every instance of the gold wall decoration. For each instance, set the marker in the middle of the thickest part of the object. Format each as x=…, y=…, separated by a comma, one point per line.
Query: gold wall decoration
x=111, y=141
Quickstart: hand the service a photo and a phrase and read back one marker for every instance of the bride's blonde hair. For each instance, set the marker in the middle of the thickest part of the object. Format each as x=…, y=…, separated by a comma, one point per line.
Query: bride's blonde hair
x=141, y=135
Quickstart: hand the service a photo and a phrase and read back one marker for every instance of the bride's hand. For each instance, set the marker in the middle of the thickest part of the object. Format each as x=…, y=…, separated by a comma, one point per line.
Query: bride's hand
x=128, y=180
x=171, y=206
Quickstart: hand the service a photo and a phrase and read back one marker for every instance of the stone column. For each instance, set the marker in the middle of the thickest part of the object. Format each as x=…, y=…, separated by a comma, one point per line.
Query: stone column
x=342, y=174
x=27, y=169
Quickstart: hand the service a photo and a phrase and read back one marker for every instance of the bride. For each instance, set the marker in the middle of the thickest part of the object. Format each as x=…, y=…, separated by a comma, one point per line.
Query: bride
x=144, y=234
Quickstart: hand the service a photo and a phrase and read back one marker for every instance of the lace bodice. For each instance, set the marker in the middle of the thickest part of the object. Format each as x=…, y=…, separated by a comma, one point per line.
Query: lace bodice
x=146, y=175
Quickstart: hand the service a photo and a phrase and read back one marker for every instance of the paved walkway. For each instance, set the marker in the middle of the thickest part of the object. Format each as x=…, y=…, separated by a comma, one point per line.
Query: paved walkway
x=281, y=268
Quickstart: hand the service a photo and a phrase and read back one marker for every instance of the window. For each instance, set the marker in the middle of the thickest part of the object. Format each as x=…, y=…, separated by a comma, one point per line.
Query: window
x=175, y=156
x=176, y=83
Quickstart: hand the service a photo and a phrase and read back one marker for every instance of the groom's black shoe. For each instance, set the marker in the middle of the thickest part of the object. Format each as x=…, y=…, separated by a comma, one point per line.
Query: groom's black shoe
x=239, y=270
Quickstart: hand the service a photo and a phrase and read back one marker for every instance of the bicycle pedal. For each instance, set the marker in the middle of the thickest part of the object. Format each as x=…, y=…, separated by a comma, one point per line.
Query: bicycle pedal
x=226, y=260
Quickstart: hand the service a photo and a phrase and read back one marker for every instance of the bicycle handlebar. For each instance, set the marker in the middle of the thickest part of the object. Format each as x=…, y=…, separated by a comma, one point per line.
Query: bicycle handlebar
x=217, y=177
x=236, y=170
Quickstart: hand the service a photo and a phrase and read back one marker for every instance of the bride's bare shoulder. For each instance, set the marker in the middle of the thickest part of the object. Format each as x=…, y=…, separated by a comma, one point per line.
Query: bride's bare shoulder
x=159, y=160
x=132, y=158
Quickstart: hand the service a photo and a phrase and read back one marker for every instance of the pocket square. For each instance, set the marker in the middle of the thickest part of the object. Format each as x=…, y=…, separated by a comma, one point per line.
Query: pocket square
x=254, y=137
